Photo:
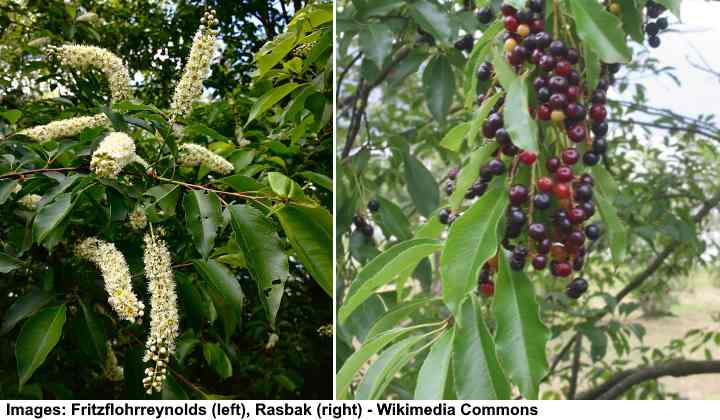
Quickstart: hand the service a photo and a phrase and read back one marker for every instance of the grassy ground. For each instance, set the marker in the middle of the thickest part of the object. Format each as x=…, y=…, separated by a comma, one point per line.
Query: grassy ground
x=695, y=309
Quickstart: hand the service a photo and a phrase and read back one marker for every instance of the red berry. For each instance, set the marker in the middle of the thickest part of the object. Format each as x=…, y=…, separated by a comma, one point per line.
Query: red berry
x=577, y=133
x=561, y=191
x=563, y=68
x=564, y=174
x=544, y=112
x=537, y=25
x=487, y=288
x=527, y=157
x=507, y=10
x=570, y=156
x=573, y=93
x=511, y=23
x=598, y=113
x=545, y=184
x=563, y=269
x=576, y=215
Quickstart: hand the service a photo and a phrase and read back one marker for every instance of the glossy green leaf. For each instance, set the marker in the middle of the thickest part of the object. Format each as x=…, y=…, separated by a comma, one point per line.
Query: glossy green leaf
x=172, y=390
x=435, y=370
x=392, y=220
x=520, y=335
x=224, y=283
x=8, y=263
x=381, y=371
x=421, y=185
x=274, y=51
x=480, y=51
x=38, y=336
x=309, y=230
x=285, y=187
x=96, y=337
x=397, y=314
x=269, y=264
x=453, y=139
x=520, y=125
x=472, y=240
x=504, y=72
x=50, y=216
x=383, y=269
x=12, y=115
x=6, y=188
x=593, y=67
x=26, y=305
x=632, y=19
x=203, y=217
x=269, y=99
x=432, y=19
x=439, y=86
x=480, y=117
x=616, y=230
x=468, y=173
x=318, y=179
x=600, y=30
x=376, y=42
x=186, y=343
x=217, y=359
x=476, y=370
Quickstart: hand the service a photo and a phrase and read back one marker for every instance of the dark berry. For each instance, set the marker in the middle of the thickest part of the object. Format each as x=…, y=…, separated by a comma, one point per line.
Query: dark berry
x=544, y=94
x=486, y=174
x=583, y=192
x=520, y=251
x=536, y=5
x=570, y=156
x=558, y=48
x=484, y=71
x=564, y=174
x=502, y=136
x=496, y=166
x=517, y=264
x=654, y=41
x=539, y=262
x=517, y=217
x=574, y=77
x=558, y=101
x=513, y=231
x=600, y=129
x=563, y=269
x=652, y=28
x=589, y=208
x=537, y=26
x=542, y=201
x=509, y=149
x=373, y=206
x=507, y=10
x=587, y=179
x=573, y=93
x=479, y=188
x=524, y=15
x=518, y=194
x=573, y=56
x=577, y=133
x=518, y=54
x=543, y=247
x=450, y=187
x=662, y=23
x=578, y=263
x=593, y=232
x=547, y=62
x=563, y=68
x=558, y=84
x=485, y=15
x=576, y=238
x=576, y=215
x=540, y=82
x=358, y=221
x=552, y=164
x=591, y=159
x=576, y=112
x=599, y=146
x=367, y=230
x=537, y=231
x=576, y=288
x=445, y=216
x=598, y=113
x=453, y=173
x=599, y=97
x=564, y=225
x=465, y=43
x=543, y=40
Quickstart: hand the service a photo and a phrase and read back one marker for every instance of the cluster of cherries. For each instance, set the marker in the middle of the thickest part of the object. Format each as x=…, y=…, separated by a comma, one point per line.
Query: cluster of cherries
x=555, y=210
x=655, y=23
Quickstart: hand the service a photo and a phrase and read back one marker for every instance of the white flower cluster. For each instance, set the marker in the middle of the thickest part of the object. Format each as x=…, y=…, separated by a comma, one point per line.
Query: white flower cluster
x=163, y=312
x=137, y=219
x=84, y=56
x=116, y=151
x=190, y=86
x=116, y=274
x=65, y=128
x=29, y=201
x=195, y=155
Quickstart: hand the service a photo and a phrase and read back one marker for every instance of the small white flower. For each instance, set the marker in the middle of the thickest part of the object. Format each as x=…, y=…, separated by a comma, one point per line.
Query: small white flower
x=137, y=219
x=195, y=155
x=272, y=341
x=197, y=68
x=16, y=189
x=29, y=201
x=164, y=320
x=116, y=151
x=116, y=275
x=84, y=56
x=65, y=128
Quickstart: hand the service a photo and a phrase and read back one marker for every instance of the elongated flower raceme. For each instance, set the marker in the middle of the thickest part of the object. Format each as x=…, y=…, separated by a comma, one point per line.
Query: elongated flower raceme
x=195, y=155
x=83, y=57
x=137, y=219
x=65, y=128
x=116, y=275
x=116, y=151
x=163, y=312
x=190, y=86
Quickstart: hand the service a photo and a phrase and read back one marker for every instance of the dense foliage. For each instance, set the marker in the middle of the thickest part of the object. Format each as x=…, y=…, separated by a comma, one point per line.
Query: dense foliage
x=227, y=200
x=452, y=312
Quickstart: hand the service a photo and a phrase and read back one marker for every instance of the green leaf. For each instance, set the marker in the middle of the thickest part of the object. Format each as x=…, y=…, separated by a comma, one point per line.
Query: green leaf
x=273, y=52
x=186, y=343
x=318, y=179
x=50, y=216
x=476, y=370
x=472, y=240
x=96, y=337
x=224, y=283
x=217, y=359
x=383, y=269
x=435, y=370
x=598, y=342
x=520, y=125
x=269, y=264
x=592, y=71
x=269, y=99
x=421, y=185
x=600, y=30
x=6, y=188
x=439, y=86
x=432, y=19
x=468, y=174
x=397, y=314
x=8, y=263
x=309, y=230
x=241, y=183
x=616, y=231
x=453, y=140
x=345, y=375
x=605, y=182
x=479, y=52
x=38, y=336
x=520, y=335
x=392, y=220
x=285, y=187
x=12, y=115
x=381, y=372
x=672, y=5
x=173, y=390
x=505, y=74
x=26, y=305
x=376, y=42
x=632, y=19
x=480, y=117
x=203, y=217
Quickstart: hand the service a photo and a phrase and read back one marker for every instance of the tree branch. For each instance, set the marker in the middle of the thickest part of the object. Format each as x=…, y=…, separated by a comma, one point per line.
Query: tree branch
x=575, y=367
x=364, y=92
x=623, y=381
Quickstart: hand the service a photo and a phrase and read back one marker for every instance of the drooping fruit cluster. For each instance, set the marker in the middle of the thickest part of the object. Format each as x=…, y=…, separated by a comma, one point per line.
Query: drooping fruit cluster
x=655, y=24
x=361, y=223
x=547, y=221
